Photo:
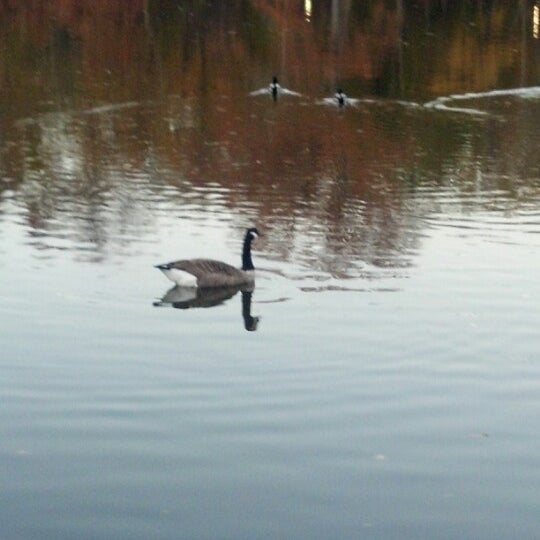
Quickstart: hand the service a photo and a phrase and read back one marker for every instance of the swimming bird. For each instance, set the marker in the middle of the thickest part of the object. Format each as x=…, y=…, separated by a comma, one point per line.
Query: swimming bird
x=340, y=97
x=274, y=88
x=211, y=273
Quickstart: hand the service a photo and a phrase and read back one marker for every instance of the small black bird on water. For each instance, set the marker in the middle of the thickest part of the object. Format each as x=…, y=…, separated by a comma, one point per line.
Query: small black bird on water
x=274, y=87
x=340, y=97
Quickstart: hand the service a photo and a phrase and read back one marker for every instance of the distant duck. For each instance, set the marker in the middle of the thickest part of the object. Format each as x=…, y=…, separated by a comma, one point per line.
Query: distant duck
x=340, y=97
x=274, y=88
x=191, y=297
x=339, y=100
x=211, y=273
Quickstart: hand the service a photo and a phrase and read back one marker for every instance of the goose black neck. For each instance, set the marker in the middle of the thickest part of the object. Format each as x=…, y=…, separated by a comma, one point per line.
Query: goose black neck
x=247, y=263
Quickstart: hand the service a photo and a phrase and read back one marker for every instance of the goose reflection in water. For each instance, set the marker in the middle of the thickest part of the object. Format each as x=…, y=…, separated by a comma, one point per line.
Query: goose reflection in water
x=189, y=297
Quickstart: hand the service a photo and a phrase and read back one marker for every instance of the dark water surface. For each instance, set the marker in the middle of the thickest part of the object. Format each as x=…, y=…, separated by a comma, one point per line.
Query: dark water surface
x=389, y=384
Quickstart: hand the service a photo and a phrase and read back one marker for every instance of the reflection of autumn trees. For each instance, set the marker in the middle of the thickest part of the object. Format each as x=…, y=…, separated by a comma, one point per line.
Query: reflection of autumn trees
x=182, y=71
x=354, y=184
x=492, y=49
x=113, y=51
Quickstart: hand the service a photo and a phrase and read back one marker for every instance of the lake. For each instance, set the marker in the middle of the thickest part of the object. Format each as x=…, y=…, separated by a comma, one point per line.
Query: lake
x=382, y=379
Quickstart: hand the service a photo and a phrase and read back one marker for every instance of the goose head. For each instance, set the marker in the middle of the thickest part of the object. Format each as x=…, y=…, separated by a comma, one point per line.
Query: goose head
x=252, y=233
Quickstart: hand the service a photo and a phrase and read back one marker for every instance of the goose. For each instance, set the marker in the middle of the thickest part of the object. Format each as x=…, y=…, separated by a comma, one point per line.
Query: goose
x=203, y=273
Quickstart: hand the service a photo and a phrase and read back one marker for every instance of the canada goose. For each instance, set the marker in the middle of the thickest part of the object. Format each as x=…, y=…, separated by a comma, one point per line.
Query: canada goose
x=210, y=273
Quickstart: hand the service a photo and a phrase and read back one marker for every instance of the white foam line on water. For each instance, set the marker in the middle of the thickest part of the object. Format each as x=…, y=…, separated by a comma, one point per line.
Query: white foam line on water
x=462, y=110
x=440, y=103
x=527, y=92
x=111, y=107
x=101, y=109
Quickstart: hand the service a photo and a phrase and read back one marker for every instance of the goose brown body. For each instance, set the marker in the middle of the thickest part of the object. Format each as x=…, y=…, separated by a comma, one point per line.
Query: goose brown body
x=206, y=273
x=212, y=273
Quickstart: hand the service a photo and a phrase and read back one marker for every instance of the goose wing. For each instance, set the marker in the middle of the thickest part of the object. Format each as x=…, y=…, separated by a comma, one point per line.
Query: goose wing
x=207, y=273
x=204, y=267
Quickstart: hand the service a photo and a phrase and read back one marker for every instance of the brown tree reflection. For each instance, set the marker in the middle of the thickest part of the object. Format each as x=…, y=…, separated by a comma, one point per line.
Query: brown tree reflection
x=112, y=113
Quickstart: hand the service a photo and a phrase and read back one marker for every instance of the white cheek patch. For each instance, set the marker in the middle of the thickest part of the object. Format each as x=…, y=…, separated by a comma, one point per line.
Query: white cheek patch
x=254, y=235
x=181, y=278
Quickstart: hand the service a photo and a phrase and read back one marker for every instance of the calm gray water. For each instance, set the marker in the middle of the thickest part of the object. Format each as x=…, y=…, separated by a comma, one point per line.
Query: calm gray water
x=391, y=387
